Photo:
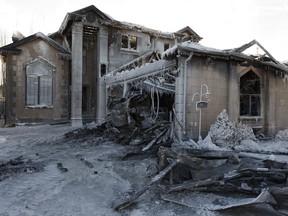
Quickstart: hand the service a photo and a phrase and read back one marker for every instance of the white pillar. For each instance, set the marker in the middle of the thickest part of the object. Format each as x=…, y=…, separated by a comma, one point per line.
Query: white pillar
x=102, y=53
x=76, y=88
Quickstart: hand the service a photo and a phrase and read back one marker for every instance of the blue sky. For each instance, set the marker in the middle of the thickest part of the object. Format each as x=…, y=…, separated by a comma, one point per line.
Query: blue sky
x=223, y=24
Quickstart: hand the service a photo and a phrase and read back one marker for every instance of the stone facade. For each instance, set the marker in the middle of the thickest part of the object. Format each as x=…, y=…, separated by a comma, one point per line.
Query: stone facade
x=92, y=54
x=16, y=107
x=88, y=45
x=223, y=81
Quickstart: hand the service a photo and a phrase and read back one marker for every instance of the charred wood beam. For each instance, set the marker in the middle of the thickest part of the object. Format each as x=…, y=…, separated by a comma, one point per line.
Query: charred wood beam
x=144, y=72
x=155, y=179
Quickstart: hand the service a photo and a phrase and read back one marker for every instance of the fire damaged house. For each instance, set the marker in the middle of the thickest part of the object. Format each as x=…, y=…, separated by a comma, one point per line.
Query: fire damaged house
x=95, y=65
x=57, y=78
x=252, y=88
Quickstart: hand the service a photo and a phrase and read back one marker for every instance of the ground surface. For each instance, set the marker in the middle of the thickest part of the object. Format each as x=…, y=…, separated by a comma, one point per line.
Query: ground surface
x=95, y=179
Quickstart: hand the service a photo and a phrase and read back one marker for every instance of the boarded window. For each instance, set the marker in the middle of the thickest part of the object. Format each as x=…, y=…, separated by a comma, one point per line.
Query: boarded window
x=129, y=42
x=38, y=84
x=250, y=95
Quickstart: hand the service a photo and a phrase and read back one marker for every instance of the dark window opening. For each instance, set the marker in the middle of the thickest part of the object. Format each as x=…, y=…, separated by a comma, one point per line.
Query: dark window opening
x=103, y=69
x=250, y=95
x=166, y=46
x=125, y=41
x=85, y=99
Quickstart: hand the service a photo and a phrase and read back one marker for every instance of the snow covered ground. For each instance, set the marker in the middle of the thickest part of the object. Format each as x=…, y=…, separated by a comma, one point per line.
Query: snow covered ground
x=92, y=190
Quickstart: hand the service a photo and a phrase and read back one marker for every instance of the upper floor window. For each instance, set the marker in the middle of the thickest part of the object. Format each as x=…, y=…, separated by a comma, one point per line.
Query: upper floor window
x=166, y=46
x=39, y=74
x=250, y=95
x=129, y=42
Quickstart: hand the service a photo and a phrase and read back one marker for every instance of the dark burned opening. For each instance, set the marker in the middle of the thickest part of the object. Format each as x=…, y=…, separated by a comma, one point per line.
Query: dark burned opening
x=250, y=95
x=151, y=104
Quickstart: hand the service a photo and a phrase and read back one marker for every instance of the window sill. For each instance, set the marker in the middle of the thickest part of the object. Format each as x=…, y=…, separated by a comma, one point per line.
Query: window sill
x=250, y=117
x=39, y=107
x=126, y=50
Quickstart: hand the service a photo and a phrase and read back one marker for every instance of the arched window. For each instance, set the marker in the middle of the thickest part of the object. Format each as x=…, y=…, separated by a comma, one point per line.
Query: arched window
x=39, y=83
x=250, y=94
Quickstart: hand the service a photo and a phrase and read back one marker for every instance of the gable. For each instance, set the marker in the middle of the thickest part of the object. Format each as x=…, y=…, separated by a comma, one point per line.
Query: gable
x=91, y=11
x=88, y=14
x=255, y=44
x=188, y=34
x=14, y=47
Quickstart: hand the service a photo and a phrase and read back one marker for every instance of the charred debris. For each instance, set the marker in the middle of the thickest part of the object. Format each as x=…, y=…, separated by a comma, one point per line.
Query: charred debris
x=190, y=167
x=19, y=165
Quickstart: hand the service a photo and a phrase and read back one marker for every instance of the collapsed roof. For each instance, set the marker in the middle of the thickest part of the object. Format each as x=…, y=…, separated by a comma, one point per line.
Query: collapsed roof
x=232, y=54
x=168, y=64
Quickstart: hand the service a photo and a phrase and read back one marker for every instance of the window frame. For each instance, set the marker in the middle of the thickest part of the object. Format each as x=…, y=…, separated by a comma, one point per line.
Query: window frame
x=257, y=95
x=39, y=74
x=131, y=44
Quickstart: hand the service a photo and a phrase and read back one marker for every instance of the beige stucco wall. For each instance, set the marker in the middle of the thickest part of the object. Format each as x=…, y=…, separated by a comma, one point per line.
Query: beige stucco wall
x=281, y=104
x=223, y=80
x=60, y=109
x=216, y=78
x=145, y=43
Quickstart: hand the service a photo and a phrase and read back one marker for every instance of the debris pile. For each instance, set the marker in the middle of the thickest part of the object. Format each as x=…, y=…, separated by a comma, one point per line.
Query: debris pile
x=130, y=123
x=227, y=171
x=220, y=171
x=225, y=133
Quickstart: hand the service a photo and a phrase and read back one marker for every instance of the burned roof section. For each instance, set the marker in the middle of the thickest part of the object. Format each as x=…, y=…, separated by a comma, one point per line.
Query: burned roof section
x=230, y=54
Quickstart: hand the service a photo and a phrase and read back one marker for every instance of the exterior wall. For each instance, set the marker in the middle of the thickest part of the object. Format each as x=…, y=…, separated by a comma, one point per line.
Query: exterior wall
x=159, y=43
x=223, y=80
x=119, y=56
x=281, y=104
x=215, y=76
x=18, y=112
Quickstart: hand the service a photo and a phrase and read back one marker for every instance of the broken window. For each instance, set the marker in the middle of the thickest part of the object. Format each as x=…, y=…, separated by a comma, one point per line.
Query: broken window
x=166, y=46
x=250, y=95
x=103, y=69
x=38, y=84
x=129, y=42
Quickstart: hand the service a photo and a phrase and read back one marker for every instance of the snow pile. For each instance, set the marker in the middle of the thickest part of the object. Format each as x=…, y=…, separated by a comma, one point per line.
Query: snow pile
x=225, y=133
x=208, y=144
x=282, y=135
x=244, y=132
x=191, y=144
x=248, y=146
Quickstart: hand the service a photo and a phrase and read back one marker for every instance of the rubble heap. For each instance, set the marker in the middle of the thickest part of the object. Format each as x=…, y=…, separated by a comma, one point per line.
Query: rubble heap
x=225, y=133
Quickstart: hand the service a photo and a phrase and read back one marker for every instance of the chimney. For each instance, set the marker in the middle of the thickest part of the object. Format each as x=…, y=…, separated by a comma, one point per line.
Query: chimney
x=17, y=36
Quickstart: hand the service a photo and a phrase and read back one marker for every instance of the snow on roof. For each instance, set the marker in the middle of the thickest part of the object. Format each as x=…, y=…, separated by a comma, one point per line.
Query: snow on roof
x=147, y=70
x=237, y=54
x=192, y=46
